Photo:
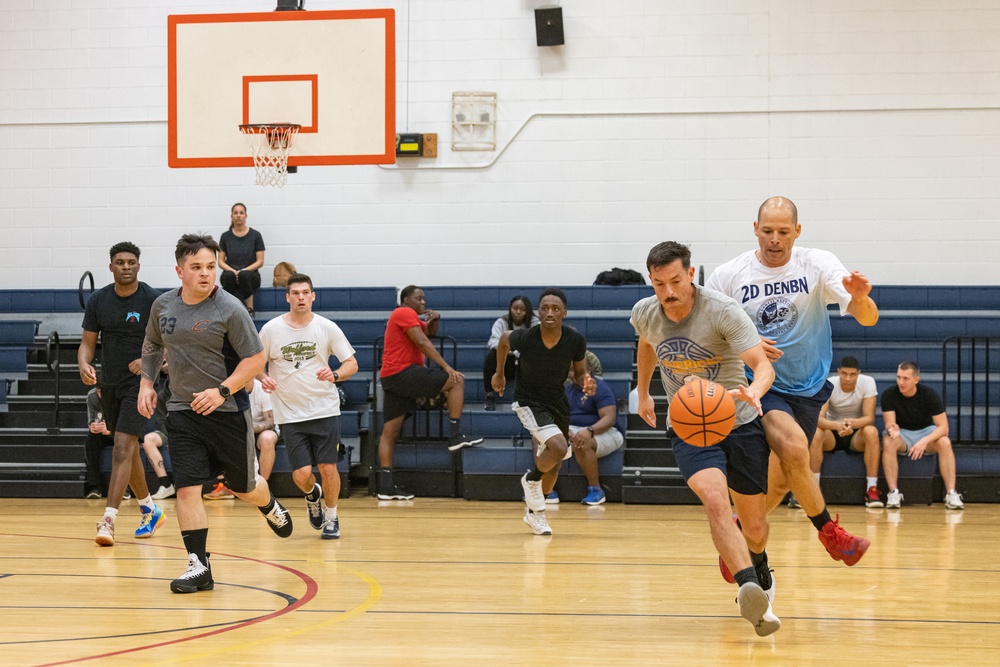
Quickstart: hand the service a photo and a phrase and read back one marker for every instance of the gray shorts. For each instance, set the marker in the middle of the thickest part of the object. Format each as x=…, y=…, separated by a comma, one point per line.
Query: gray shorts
x=911, y=437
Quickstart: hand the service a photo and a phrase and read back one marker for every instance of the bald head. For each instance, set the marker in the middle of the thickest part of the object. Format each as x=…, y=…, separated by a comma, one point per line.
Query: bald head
x=781, y=205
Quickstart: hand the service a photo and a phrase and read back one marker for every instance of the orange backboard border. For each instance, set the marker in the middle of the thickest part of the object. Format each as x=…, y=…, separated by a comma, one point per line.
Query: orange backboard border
x=387, y=157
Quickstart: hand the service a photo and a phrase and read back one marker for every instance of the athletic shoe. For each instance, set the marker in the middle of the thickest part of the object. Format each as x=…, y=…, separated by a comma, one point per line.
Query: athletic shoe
x=726, y=574
x=873, y=498
x=533, y=495
x=389, y=491
x=552, y=498
x=279, y=519
x=893, y=500
x=793, y=503
x=128, y=494
x=764, y=574
x=164, y=492
x=151, y=520
x=198, y=577
x=315, y=510
x=331, y=529
x=106, y=532
x=595, y=496
x=840, y=544
x=219, y=492
x=953, y=501
x=756, y=608
x=458, y=441
x=539, y=524
x=490, y=405
x=93, y=494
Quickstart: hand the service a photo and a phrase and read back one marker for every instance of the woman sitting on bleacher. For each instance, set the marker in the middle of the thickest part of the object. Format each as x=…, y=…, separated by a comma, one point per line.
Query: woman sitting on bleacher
x=519, y=316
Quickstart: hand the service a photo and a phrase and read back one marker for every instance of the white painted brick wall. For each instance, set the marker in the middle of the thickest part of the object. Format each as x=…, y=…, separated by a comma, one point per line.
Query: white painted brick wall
x=656, y=120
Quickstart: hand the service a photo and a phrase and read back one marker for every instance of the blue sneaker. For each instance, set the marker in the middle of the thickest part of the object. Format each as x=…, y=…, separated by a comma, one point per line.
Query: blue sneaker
x=595, y=496
x=331, y=529
x=552, y=498
x=151, y=520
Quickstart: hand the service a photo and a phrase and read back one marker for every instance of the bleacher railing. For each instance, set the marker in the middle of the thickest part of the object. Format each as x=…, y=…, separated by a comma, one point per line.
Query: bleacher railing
x=52, y=361
x=966, y=362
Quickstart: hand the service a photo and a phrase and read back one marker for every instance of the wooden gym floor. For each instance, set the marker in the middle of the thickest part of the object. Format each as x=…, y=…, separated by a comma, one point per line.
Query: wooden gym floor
x=450, y=582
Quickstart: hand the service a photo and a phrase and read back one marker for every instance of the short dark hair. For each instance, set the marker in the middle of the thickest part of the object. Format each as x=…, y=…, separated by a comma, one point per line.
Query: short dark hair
x=124, y=246
x=553, y=291
x=407, y=291
x=297, y=278
x=849, y=362
x=666, y=253
x=191, y=244
x=910, y=366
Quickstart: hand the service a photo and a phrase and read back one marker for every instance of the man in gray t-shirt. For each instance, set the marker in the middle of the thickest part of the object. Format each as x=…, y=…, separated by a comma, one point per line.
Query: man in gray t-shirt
x=214, y=353
x=692, y=332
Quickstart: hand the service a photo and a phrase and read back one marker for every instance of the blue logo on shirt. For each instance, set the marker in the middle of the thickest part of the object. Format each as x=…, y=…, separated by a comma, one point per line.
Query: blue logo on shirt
x=132, y=316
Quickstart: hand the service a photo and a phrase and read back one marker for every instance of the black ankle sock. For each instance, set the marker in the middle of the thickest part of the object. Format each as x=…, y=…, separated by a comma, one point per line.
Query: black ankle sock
x=195, y=542
x=313, y=495
x=535, y=475
x=758, y=560
x=456, y=426
x=760, y=567
x=165, y=481
x=268, y=507
x=821, y=519
x=746, y=576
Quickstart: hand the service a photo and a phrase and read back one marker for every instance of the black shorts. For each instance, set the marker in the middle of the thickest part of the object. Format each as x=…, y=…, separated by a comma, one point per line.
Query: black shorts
x=742, y=457
x=121, y=409
x=404, y=388
x=313, y=441
x=204, y=446
x=804, y=409
x=842, y=443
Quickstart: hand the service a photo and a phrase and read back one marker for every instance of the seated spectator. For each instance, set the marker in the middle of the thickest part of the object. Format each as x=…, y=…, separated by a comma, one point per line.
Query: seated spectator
x=594, y=364
x=915, y=423
x=241, y=257
x=281, y=272
x=98, y=438
x=155, y=438
x=847, y=422
x=264, y=428
x=519, y=316
x=593, y=434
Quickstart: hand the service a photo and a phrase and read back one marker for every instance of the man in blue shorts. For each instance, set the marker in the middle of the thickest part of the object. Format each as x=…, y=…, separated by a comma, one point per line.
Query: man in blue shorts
x=214, y=353
x=692, y=332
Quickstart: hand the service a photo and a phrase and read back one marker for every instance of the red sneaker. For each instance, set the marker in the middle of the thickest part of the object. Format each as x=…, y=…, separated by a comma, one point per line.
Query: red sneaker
x=840, y=544
x=726, y=574
x=872, y=498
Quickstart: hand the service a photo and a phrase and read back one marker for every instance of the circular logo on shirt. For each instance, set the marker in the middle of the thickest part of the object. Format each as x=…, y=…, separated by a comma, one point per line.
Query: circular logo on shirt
x=681, y=357
x=776, y=316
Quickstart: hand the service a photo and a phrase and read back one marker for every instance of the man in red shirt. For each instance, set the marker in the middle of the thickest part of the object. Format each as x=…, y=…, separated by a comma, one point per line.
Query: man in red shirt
x=405, y=378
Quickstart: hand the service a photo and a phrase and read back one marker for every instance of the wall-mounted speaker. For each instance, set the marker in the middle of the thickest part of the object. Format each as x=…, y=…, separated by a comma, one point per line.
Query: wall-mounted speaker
x=549, y=26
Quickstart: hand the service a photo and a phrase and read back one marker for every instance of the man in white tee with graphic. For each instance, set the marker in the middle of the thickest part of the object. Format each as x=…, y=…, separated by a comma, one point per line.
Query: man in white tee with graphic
x=785, y=291
x=847, y=421
x=298, y=346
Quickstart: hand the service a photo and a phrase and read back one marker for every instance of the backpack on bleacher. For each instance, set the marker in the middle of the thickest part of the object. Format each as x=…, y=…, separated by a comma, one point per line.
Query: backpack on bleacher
x=618, y=276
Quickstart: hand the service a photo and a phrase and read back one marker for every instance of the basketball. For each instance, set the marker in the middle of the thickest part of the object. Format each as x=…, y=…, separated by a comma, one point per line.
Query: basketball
x=702, y=413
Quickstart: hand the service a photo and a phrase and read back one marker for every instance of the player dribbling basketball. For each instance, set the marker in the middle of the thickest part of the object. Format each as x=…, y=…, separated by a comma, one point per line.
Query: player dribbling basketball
x=688, y=331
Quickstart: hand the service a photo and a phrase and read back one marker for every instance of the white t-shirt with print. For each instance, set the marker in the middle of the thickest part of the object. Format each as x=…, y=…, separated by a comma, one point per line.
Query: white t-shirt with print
x=849, y=406
x=260, y=403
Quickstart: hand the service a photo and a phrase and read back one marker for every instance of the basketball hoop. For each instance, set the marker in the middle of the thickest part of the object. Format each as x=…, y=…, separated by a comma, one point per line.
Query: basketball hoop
x=269, y=144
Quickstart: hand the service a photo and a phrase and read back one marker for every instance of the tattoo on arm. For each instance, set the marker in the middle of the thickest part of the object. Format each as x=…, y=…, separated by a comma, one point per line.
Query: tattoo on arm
x=152, y=359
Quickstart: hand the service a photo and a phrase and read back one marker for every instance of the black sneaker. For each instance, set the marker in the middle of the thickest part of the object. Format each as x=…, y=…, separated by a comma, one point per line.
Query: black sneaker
x=459, y=440
x=387, y=490
x=279, y=520
x=93, y=494
x=491, y=402
x=315, y=509
x=197, y=578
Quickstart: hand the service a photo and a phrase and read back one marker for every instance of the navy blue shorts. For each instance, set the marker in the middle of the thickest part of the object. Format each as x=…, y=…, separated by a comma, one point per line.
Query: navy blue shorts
x=803, y=409
x=741, y=456
x=313, y=441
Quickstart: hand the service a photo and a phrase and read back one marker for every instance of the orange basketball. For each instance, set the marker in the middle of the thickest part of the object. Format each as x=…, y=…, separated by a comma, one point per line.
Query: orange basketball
x=702, y=413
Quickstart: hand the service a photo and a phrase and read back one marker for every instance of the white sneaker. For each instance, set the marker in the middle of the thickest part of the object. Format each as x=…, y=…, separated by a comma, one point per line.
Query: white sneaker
x=106, y=532
x=533, y=495
x=953, y=500
x=756, y=608
x=539, y=524
x=893, y=499
x=164, y=492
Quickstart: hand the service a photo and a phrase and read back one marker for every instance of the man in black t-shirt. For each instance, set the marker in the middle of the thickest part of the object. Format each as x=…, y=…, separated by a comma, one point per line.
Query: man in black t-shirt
x=118, y=312
x=915, y=422
x=547, y=350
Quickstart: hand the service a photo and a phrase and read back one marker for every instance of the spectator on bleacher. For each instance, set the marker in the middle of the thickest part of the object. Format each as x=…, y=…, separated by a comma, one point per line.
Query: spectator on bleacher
x=241, y=257
x=915, y=424
x=592, y=433
x=155, y=437
x=298, y=346
x=281, y=272
x=405, y=378
x=98, y=438
x=519, y=316
x=594, y=364
x=547, y=351
x=264, y=428
x=118, y=314
x=785, y=291
x=847, y=422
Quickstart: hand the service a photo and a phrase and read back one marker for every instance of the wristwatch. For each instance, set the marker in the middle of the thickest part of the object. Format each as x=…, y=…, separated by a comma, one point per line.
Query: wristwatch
x=224, y=391
x=591, y=429
x=336, y=377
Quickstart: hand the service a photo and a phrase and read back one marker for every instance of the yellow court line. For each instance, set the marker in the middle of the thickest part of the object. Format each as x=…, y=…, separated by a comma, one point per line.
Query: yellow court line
x=374, y=595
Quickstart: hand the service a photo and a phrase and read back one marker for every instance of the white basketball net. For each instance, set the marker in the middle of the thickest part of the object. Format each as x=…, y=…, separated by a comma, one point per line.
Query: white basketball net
x=269, y=146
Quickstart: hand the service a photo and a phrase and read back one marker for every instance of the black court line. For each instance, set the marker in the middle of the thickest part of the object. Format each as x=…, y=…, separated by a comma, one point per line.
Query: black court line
x=131, y=634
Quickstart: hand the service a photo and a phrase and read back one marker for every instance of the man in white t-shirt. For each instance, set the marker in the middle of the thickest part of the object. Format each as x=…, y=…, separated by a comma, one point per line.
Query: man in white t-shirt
x=847, y=421
x=264, y=429
x=298, y=346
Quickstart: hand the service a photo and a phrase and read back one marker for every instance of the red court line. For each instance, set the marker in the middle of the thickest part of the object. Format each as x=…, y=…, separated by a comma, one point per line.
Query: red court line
x=311, y=589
